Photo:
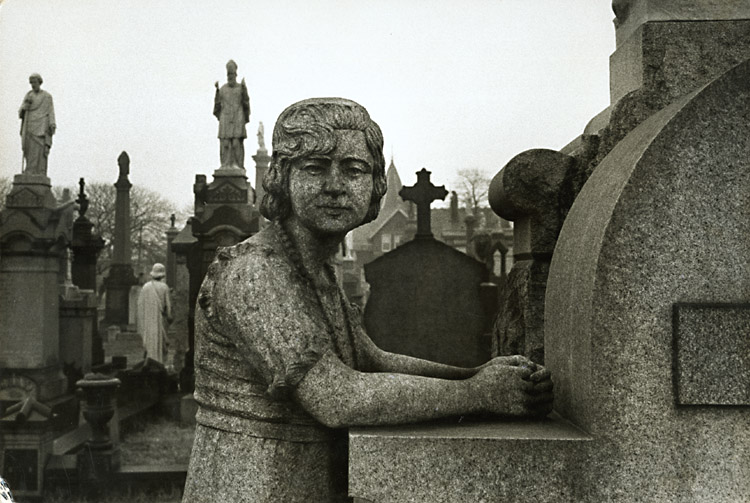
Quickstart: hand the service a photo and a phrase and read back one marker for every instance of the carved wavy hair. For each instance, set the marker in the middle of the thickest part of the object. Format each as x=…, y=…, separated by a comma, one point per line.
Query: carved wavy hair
x=306, y=128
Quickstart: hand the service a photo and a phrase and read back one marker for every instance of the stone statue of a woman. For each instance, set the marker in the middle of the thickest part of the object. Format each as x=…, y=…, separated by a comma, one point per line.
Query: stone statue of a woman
x=283, y=363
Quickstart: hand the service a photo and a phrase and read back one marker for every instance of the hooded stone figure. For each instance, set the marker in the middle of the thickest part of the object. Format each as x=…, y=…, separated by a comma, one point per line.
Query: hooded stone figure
x=155, y=314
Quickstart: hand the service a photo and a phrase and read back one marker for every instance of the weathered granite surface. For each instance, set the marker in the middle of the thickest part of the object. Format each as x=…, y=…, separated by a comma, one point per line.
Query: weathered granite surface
x=631, y=14
x=664, y=219
x=535, y=191
x=712, y=354
x=676, y=57
x=468, y=461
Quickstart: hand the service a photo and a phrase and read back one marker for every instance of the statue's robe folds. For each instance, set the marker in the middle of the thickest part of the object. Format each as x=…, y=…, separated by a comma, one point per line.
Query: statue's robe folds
x=260, y=326
x=36, y=137
x=232, y=108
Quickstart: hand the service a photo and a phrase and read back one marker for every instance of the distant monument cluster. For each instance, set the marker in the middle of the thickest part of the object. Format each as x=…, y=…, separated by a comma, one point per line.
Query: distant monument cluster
x=629, y=286
x=55, y=337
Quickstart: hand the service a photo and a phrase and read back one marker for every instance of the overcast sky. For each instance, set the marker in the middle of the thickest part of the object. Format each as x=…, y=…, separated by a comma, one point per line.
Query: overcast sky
x=453, y=84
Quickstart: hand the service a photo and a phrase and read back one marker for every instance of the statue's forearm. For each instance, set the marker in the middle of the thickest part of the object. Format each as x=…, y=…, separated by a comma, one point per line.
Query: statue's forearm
x=377, y=360
x=338, y=396
x=392, y=362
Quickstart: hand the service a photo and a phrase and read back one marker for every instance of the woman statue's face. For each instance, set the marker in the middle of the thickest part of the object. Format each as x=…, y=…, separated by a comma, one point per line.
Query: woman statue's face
x=331, y=193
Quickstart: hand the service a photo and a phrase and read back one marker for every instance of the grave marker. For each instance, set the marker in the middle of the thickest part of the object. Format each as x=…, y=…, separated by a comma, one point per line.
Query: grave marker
x=120, y=277
x=426, y=297
x=422, y=194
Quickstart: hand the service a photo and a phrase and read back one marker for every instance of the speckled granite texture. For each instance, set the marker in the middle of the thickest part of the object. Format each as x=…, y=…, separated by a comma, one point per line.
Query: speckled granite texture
x=272, y=470
x=472, y=462
x=531, y=191
x=633, y=13
x=712, y=354
x=664, y=219
x=672, y=58
x=254, y=443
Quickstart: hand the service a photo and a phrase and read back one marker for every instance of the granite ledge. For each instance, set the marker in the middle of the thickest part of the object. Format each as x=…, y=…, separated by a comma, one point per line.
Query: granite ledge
x=468, y=461
x=553, y=427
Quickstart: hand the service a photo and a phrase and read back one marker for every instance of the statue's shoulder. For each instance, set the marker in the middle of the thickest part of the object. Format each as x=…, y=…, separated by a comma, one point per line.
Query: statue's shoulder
x=245, y=273
x=44, y=96
x=257, y=262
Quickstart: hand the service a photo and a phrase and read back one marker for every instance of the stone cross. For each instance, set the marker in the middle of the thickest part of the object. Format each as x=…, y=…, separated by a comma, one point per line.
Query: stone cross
x=423, y=193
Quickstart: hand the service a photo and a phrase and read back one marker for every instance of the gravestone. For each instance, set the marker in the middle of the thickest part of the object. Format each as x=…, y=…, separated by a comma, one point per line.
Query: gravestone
x=120, y=277
x=77, y=324
x=425, y=296
x=648, y=304
x=135, y=291
x=86, y=247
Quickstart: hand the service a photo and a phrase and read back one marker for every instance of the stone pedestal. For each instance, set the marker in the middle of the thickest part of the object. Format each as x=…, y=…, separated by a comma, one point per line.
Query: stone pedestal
x=77, y=327
x=34, y=233
x=172, y=233
x=224, y=216
x=119, y=282
x=632, y=14
x=468, y=461
x=86, y=247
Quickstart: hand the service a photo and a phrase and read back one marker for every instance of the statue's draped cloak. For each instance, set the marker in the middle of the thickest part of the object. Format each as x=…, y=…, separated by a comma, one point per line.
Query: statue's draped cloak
x=232, y=108
x=35, y=130
x=154, y=307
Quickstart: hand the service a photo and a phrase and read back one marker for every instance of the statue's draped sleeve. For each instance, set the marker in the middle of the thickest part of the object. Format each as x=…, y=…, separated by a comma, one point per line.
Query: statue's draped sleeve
x=217, y=104
x=245, y=103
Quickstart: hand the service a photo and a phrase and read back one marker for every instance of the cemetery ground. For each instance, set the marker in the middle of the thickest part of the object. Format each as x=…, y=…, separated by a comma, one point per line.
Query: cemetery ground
x=152, y=443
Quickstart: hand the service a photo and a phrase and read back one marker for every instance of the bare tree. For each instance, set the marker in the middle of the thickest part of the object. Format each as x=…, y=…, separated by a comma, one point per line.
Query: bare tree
x=473, y=185
x=149, y=220
x=5, y=185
